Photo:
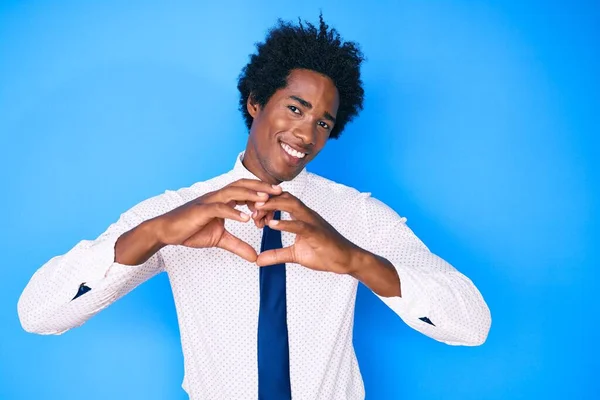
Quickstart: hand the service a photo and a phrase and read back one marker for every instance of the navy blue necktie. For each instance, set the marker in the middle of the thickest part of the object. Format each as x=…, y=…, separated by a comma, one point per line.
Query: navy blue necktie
x=273, y=347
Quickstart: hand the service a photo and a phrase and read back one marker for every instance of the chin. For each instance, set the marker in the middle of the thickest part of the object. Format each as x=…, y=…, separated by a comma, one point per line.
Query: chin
x=283, y=177
x=284, y=174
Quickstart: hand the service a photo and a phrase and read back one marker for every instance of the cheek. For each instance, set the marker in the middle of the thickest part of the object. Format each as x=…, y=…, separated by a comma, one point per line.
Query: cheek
x=264, y=128
x=278, y=123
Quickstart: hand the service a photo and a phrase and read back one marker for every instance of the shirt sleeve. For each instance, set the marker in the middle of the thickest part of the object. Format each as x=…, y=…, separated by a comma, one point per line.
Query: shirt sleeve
x=47, y=305
x=437, y=300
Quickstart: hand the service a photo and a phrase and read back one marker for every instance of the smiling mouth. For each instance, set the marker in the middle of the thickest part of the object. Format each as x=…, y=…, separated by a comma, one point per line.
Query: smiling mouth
x=295, y=154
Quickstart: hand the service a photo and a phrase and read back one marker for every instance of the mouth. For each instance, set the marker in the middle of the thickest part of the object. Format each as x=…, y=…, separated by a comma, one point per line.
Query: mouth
x=293, y=156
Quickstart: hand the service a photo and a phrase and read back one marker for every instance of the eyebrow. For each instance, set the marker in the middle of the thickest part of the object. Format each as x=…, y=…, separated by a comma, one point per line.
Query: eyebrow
x=307, y=104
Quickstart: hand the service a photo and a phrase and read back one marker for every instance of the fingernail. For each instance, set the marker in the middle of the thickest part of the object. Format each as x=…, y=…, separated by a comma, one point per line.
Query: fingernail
x=276, y=186
x=261, y=194
x=244, y=215
x=273, y=222
x=259, y=203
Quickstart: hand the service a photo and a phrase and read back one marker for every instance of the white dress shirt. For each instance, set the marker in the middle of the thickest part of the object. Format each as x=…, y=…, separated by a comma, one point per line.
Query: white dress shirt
x=216, y=293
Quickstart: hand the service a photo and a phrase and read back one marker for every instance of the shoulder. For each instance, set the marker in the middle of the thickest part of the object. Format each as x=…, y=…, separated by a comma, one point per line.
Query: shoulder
x=322, y=185
x=331, y=197
x=200, y=188
x=173, y=198
x=363, y=203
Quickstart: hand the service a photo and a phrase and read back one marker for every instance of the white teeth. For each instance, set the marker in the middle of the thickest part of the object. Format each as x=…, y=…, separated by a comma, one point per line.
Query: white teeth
x=291, y=151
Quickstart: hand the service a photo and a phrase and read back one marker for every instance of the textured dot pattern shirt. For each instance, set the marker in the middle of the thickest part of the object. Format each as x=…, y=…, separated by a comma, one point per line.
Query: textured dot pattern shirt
x=216, y=293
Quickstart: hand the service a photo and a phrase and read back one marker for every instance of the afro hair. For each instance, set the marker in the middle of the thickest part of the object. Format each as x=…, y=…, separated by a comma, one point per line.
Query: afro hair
x=304, y=46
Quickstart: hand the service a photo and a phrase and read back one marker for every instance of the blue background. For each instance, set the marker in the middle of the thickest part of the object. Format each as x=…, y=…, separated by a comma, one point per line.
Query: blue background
x=480, y=126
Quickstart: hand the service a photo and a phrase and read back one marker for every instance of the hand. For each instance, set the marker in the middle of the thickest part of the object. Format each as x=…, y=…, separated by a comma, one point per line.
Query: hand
x=260, y=217
x=200, y=223
x=318, y=245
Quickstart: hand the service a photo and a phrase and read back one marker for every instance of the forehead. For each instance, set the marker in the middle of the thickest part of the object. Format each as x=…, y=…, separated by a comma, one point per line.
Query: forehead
x=313, y=87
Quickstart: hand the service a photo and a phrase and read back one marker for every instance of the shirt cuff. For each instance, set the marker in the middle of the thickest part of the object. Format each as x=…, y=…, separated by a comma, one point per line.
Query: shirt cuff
x=100, y=265
x=414, y=302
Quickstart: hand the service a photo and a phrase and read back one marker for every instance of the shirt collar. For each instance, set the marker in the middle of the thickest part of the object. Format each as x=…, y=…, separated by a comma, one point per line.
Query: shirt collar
x=295, y=186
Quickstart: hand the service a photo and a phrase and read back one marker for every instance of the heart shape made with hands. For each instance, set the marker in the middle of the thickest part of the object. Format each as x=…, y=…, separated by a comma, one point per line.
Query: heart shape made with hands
x=317, y=245
x=261, y=218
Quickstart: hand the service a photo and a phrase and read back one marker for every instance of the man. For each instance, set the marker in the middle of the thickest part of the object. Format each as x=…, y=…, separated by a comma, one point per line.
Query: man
x=264, y=260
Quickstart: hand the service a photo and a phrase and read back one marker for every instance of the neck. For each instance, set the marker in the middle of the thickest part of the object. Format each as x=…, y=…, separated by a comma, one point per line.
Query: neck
x=252, y=164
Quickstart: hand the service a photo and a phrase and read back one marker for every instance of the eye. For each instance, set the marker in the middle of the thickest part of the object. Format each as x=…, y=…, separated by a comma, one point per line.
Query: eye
x=324, y=124
x=294, y=109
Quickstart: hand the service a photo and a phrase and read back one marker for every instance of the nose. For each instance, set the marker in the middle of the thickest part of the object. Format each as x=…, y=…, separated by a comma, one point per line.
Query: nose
x=307, y=132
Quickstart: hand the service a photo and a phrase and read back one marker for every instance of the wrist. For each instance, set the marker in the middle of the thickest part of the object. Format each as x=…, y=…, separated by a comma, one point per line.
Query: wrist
x=375, y=272
x=359, y=260
x=137, y=245
x=153, y=231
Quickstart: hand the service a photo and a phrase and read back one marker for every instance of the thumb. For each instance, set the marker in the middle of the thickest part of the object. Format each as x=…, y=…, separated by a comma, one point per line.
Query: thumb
x=276, y=256
x=237, y=246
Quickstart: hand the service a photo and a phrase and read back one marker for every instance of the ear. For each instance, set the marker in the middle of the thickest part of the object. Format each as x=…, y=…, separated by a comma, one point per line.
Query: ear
x=252, y=106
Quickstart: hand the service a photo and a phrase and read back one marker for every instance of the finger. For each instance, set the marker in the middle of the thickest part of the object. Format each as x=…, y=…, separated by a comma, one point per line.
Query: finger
x=249, y=204
x=269, y=217
x=258, y=186
x=276, y=256
x=222, y=210
x=262, y=218
x=283, y=203
x=237, y=246
x=239, y=194
x=259, y=218
x=298, y=227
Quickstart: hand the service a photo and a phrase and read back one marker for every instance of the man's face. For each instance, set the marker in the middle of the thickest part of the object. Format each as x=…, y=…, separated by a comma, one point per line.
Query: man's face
x=292, y=128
